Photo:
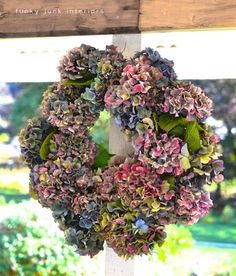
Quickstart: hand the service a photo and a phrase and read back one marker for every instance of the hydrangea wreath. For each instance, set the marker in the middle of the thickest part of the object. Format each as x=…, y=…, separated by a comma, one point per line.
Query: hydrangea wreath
x=124, y=201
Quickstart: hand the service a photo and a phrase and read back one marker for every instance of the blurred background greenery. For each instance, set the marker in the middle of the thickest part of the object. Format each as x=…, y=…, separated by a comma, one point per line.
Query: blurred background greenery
x=31, y=243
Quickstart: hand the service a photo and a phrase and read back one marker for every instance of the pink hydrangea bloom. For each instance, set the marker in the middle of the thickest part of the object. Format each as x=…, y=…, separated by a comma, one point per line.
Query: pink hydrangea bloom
x=192, y=204
x=161, y=152
x=187, y=100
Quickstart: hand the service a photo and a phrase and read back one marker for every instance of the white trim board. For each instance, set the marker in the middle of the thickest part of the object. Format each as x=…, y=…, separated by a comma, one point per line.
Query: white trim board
x=197, y=55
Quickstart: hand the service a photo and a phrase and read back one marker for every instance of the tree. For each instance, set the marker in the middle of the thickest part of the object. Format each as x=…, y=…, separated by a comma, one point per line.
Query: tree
x=223, y=94
x=26, y=104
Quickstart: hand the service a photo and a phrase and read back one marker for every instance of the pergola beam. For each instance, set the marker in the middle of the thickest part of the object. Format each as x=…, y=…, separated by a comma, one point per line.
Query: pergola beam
x=197, y=55
x=29, y=18
x=187, y=14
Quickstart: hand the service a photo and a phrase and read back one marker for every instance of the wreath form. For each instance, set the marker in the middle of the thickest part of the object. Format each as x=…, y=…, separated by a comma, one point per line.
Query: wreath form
x=127, y=202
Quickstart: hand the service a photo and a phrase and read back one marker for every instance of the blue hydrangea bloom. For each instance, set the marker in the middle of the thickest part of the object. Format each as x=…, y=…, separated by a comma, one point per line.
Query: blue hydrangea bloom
x=141, y=225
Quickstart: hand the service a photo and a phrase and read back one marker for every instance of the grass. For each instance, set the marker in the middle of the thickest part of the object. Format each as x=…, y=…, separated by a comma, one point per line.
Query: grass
x=216, y=228
x=14, y=185
x=225, y=233
x=14, y=181
x=17, y=198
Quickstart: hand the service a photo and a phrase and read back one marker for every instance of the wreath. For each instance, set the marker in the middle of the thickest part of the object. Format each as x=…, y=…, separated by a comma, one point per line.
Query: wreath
x=124, y=201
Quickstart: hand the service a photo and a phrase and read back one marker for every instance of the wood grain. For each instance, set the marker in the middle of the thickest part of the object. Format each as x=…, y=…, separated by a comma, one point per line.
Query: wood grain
x=187, y=14
x=23, y=18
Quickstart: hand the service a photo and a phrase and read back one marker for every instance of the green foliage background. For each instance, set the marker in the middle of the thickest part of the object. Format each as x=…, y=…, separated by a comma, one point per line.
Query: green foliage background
x=31, y=243
x=26, y=104
x=178, y=239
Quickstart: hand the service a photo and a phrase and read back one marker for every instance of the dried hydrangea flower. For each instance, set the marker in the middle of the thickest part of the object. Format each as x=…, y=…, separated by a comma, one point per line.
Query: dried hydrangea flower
x=64, y=107
x=111, y=65
x=128, y=203
x=86, y=241
x=191, y=204
x=185, y=99
x=80, y=63
x=86, y=63
x=139, y=80
x=31, y=138
x=109, y=70
x=124, y=237
x=59, y=177
x=64, y=146
x=138, y=94
x=160, y=151
x=135, y=193
x=153, y=58
x=54, y=181
x=206, y=163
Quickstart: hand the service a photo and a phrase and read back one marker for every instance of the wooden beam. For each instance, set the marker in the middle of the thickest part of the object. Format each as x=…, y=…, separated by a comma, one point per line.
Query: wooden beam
x=28, y=18
x=24, y=18
x=186, y=14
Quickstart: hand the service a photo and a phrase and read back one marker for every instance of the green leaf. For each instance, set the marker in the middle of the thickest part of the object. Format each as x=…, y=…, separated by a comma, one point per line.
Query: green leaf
x=184, y=158
x=102, y=159
x=45, y=148
x=114, y=206
x=149, y=122
x=200, y=172
x=141, y=128
x=200, y=128
x=167, y=122
x=155, y=122
x=170, y=179
x=178, y=131
x=104, y=220
x=155, y=206
x=81, y=82
x=129, y=216
x=192, y=136
x=165, y=187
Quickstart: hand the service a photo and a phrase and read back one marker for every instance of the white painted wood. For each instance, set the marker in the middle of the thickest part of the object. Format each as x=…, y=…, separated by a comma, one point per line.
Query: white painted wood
x=36, y=59
x=197, y=55
x=114, y=265
x=117, y=143
x=128, y=44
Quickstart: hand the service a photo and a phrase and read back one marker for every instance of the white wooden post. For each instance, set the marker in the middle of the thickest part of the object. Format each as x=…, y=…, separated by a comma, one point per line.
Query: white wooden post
x=128, y=44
